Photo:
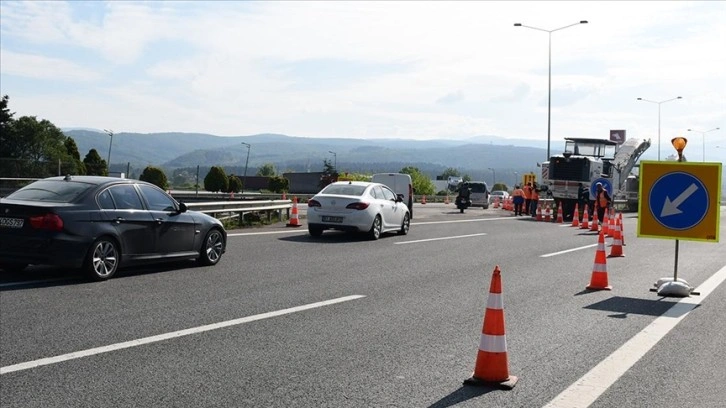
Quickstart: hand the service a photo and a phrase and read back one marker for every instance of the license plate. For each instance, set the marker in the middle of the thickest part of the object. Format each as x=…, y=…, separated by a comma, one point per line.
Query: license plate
x=332, y=219
x=11, y=222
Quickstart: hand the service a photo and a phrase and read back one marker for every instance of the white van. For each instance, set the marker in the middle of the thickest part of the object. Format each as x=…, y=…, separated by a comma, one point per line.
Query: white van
x=400, y=183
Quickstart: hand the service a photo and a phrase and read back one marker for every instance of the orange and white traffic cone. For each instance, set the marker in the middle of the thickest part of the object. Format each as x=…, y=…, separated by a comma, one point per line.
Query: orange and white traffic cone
x=294, y=220
x=622, y=230
x=594, y=227
x=616, y=250
x=599, y=278
x=446, y=200
x=560, y=217
x=284, y=196
x=539, y=212
x=423, y=200
x=548, y=214
x=492, y=364
x=585, y=219
x=576, y=216
x=496, y=202
x=611, y=223
x=606, y=224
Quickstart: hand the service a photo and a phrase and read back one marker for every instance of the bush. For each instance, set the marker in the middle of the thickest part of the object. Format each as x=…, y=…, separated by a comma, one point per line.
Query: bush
x=234, y=184
x=216, y=180
x=155, y=176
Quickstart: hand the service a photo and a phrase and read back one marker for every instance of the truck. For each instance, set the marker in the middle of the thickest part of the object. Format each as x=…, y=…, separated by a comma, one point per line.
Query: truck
x=589, y=161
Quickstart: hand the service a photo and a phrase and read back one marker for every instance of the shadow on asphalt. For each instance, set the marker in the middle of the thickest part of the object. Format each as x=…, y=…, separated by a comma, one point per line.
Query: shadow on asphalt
x=464, y=393
x=333, y=237
x=34, y=277
x=624, y=306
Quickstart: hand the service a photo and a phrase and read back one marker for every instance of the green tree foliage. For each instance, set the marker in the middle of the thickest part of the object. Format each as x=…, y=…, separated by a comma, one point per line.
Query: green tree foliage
x=95, y=165
x=278, y=184
x=466, y=177
x=155, y=176
x=6, y=118
x=72, y=151
x=267, y=170
x=329, y=174
x=216, y=180
x=449, y=172
x=234, y=184
x=422, y=184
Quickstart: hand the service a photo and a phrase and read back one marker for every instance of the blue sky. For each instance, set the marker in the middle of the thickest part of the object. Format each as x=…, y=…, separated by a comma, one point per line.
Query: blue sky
x=412, y=70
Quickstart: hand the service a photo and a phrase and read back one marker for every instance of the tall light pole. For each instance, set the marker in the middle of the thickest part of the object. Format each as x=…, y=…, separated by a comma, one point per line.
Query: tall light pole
x=659, y=103
x=515, y=179
x=549, y=75
x=335, y=160
x=244, y=177
x=494, y=177
x=110, y=143
x=703, y=135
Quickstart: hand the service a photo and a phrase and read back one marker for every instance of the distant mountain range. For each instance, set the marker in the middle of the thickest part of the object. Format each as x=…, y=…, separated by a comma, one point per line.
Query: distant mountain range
x=187, y=150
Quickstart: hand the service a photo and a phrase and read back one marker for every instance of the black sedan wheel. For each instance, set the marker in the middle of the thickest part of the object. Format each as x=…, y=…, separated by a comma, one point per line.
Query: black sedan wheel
x=405, y=225
x=103, y=259
x=212, y=246
x=375, y=231
x=315, y=231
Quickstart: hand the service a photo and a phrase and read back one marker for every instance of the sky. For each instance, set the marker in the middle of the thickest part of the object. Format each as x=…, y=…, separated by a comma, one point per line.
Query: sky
x=355, y=69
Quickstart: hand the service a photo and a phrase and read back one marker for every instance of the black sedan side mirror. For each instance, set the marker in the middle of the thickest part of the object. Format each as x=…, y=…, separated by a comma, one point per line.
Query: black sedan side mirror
x=182, y=207
x=399, y=198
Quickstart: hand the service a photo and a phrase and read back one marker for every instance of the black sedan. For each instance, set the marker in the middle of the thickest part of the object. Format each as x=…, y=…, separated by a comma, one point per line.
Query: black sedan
x=99, y=224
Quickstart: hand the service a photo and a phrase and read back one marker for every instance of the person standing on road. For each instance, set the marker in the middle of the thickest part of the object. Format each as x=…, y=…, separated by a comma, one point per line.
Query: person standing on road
x=534, y=201
x=518, y=200
x=527, y=197
x=602, y=201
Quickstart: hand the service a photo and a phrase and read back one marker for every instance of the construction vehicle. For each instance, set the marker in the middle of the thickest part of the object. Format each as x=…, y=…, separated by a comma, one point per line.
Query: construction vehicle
x=589, y=161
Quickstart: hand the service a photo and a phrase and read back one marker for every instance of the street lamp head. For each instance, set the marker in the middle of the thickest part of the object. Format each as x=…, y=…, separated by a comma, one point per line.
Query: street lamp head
x=517, y=24
x=583, y=21
x=640, y=99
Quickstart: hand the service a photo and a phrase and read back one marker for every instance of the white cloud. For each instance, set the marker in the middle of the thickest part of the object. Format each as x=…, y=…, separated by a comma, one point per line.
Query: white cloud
x=41, y=67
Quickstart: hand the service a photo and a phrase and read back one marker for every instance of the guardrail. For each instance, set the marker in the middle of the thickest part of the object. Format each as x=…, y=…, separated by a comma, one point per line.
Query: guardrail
x=237, y=209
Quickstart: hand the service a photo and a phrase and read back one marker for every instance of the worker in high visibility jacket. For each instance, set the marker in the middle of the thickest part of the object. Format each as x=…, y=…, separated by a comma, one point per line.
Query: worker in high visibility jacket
x=518, y=200
x=527, y=197
x=602, y=201
x=534, y=200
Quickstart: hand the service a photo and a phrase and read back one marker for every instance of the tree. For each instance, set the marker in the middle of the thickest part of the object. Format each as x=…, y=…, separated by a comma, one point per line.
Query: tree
x=95, y=165
x=6, y=119
x=76, y=166
x=329, y=174
x=267, y=170
x=216, y=180
x=278, y=184
x=422, y=184
x=155, y=176
x=234, y=184
x=449, y=172
x=466, y=177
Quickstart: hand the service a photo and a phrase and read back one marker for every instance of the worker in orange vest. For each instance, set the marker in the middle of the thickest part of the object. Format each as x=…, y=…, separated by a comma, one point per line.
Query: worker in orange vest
x=602, y=201
x=534, y=200
x=518, y=199
x=527, y=197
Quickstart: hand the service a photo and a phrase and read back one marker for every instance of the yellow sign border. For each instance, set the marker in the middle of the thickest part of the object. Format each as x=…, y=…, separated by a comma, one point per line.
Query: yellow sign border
x=708, y=173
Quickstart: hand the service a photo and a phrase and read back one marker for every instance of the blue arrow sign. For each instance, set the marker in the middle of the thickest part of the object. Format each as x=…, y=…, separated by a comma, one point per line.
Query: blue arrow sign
x=678, y=200
x=605, y=184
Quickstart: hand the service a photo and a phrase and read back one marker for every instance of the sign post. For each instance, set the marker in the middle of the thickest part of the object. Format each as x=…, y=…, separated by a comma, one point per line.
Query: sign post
x=679, y=200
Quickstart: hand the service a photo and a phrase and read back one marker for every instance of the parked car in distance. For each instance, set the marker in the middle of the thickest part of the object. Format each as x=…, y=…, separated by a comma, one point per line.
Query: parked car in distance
x=100, y=224
x=358, y=206
x=479, y=194
x=501, y=194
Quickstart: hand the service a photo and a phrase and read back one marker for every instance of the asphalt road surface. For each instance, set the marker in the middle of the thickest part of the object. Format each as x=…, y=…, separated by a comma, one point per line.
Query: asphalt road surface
x=287, y=320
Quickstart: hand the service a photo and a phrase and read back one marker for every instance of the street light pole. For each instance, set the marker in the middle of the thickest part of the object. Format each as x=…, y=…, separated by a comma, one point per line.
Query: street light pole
x=515, y=180
x=244, y=177
x=549, y=75
x=703, y=135
x=335, y=160
x=110, y=143
x=494, y=177
x=659, y=103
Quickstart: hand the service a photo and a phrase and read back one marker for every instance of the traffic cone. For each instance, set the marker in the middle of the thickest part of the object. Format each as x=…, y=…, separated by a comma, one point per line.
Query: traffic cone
x=576, y=216
x=585, y=219
x=423, y=200
x=622, y=230
x=548, y=215
x=616, y=250
x=606, y=224
x=231, y=195
x=539, y=212
x=599, y=278
x=446, y=201
x=611, y=223
x=496, y=202
x=294, y=220
x=492, y=364
x=284, y=196
x=594, y=227
x=560, y=218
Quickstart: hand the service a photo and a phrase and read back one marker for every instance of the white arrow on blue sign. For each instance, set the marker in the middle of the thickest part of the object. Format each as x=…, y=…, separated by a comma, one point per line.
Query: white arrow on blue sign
x=678, y=201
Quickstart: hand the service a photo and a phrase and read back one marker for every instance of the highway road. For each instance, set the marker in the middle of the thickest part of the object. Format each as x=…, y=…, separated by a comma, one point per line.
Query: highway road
x=287, y=320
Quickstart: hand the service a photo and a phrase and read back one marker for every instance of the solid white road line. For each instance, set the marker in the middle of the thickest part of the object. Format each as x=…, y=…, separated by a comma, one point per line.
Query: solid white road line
x=458, y=221
x=292, y=231
x=440, y=239
x=593, y=384
x=167, y=336
x=567, y=250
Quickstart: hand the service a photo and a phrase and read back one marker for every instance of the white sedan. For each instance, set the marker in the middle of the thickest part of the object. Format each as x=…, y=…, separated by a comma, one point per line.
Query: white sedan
x=357, y=206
